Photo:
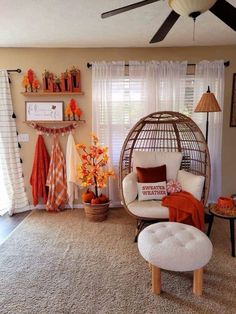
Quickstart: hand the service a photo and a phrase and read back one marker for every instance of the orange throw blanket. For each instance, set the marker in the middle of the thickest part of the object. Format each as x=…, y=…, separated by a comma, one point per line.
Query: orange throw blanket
x=185, y=208
x=40, y=171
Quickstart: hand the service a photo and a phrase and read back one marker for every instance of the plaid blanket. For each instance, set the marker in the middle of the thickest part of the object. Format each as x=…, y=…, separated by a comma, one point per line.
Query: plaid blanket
x=56, y=180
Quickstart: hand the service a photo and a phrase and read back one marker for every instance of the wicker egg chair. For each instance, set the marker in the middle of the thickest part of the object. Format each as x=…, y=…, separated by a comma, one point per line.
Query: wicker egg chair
x=166, y=131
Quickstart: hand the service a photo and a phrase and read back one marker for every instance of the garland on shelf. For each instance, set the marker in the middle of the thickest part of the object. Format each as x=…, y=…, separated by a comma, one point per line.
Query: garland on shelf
x=52, y=131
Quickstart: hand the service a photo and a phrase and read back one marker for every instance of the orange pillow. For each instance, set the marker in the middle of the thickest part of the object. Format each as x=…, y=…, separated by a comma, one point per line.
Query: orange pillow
x=150, y=175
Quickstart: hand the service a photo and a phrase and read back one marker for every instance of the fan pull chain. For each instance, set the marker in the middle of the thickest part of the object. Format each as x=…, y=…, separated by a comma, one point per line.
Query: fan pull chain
x=194, y=22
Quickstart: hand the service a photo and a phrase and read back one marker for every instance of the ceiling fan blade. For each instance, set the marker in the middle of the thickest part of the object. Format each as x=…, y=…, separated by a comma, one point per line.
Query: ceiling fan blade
x=225, y=12
x=165, y=27
x=127, y=8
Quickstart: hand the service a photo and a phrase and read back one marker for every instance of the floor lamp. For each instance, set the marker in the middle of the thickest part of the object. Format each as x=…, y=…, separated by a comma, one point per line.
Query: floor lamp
x=207, y=103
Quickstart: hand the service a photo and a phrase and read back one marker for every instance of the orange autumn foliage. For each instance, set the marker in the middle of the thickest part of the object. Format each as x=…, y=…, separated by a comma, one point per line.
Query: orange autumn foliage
x=93, y=170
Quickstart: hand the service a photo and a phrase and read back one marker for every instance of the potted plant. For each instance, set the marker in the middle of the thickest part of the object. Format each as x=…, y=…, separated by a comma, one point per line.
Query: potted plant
x=93, y=172
x=58, y=83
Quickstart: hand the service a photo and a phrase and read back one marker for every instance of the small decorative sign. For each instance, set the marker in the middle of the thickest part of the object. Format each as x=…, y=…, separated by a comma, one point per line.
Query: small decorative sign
x=44, y=110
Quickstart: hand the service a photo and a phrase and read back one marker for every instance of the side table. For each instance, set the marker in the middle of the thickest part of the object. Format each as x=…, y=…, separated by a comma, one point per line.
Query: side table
x=223, y=213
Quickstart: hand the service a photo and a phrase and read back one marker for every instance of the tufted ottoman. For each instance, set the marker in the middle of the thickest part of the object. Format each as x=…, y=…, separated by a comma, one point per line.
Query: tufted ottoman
x=175, y=246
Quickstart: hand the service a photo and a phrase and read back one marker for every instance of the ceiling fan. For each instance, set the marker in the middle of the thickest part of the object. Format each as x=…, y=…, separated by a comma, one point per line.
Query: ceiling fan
x=192, y=8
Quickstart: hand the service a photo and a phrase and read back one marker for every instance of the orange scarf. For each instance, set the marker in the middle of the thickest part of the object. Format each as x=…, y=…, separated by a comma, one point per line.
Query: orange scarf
x=185, y=208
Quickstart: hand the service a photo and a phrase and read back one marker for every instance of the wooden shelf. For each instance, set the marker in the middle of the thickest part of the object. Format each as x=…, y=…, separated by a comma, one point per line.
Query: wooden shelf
x=35, y=94
x=54, y=122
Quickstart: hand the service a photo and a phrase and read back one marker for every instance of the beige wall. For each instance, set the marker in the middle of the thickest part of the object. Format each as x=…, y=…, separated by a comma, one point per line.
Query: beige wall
x=57, y=60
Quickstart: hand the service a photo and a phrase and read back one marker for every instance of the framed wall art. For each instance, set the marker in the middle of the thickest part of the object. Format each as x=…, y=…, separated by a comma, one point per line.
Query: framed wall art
x=44, y=110
x=233, y=103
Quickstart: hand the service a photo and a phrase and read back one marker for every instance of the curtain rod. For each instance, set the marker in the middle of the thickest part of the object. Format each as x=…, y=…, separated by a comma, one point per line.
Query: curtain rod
x=17, y=70
x=226, y=64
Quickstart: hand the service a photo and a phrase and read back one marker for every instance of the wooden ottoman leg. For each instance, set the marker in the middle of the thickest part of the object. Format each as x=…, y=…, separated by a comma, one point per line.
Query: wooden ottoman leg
x=156, y=280
x=197, y=281
x=150, y=267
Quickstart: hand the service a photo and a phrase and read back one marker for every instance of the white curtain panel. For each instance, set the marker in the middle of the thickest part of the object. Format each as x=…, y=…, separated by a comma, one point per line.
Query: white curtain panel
x=137, y=91
x=119, y=100
x=211, y=74
x=109, y=103
x=13, y=198
x=163, y=84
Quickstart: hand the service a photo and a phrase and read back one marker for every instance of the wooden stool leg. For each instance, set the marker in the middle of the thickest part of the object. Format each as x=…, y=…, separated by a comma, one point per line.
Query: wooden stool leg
x=156, y=280
x=197, y=281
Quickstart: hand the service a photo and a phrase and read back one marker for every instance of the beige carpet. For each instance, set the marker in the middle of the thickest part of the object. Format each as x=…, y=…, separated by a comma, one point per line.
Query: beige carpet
x=61, y=263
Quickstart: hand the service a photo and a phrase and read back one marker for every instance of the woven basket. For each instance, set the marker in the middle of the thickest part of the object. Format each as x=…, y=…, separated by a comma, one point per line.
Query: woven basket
x=96, y=212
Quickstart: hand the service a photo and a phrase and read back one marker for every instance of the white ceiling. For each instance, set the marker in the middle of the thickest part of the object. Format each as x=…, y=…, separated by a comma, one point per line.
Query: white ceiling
x=77, y=23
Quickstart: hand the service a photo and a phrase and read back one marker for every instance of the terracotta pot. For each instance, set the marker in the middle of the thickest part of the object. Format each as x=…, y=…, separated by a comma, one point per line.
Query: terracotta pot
x=96, y=212
x=225, y=202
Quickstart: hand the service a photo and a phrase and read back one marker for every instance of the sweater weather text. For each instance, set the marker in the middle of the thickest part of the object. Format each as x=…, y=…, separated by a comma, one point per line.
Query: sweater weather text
x=154, y=190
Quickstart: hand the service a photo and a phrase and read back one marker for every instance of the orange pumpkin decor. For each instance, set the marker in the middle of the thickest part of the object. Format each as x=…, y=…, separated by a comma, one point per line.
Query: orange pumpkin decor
x=225, y=202
x=95, y=201
x=103, y=199
x=88, y=196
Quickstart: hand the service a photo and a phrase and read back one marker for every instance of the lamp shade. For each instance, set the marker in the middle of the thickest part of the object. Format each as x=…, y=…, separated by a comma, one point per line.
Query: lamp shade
x=208, y=103
x=186, y=7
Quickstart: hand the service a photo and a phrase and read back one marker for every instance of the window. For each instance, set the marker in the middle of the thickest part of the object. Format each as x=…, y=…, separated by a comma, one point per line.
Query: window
x=126, y=108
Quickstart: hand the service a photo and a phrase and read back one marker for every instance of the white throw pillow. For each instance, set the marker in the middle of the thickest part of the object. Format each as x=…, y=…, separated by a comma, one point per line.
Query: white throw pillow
x=151, y=191
x=130, y=189
x=191, y=183
x=145, y=159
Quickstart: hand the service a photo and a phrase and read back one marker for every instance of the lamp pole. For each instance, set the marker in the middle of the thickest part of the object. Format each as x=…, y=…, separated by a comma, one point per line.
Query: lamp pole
x=207, y=120
x=207, y=123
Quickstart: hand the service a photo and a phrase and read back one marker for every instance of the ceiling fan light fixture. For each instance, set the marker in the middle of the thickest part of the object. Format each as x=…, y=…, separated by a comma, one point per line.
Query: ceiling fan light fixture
x=188, y=7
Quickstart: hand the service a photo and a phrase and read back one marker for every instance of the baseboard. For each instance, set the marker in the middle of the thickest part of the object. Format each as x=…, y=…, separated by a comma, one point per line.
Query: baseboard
x=80, y=205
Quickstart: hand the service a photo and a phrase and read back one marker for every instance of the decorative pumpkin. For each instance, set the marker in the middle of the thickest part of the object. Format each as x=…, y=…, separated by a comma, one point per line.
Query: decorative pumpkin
x=88, y=196
x=225, y=202
x=95, y=200
x=103, y=198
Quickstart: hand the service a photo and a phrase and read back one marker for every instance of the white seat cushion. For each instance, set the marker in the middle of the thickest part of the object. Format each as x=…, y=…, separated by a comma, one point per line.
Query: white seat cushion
x=174, y=246
x=145, y=159
x=148, y=209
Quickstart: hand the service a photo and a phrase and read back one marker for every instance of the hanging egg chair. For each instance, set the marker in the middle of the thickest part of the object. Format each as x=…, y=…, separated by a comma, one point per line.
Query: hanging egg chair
x=164, y=131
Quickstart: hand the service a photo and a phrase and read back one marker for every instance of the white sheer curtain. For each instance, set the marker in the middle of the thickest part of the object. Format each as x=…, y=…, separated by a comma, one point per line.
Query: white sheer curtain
x=13, y=198
x=109, y=118
x=211, y=74
x=162, y=84
x=120, y=100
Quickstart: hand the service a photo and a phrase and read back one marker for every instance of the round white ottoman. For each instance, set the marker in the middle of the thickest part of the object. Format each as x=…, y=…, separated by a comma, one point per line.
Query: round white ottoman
x=177, y=247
